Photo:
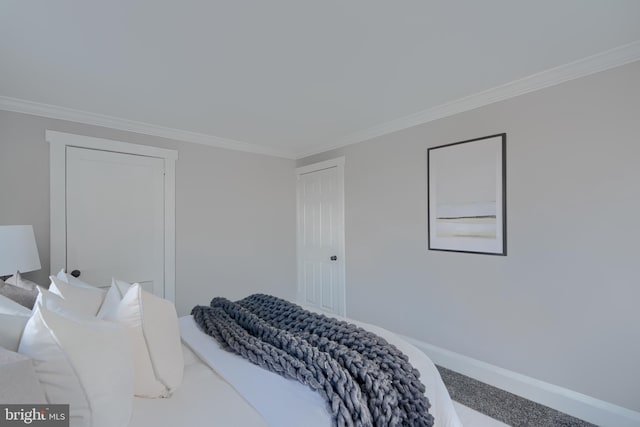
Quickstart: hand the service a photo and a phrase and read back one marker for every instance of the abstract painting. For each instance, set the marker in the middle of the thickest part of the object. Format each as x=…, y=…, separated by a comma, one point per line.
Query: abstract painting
x=467, y=196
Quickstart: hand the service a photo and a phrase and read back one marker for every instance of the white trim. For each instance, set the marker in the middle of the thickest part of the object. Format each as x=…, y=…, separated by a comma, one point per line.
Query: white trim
x=337, y=162
x=62, y=113
x=616, y=57
x=170, y=229
x=58, y=222
x=69, y=139
x=58, y=141
x=341, y=252
x=576, y=404
x=612, y=58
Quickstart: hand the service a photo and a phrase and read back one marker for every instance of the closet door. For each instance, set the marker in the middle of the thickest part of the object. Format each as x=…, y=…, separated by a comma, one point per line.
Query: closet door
x=114, y=207
x=321, y=266
x=113, y=211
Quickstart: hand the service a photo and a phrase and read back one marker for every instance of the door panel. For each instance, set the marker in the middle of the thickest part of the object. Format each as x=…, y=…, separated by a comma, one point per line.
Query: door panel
x=115, y=217
x=320, y=219
x=309, y=280
x=328, y=284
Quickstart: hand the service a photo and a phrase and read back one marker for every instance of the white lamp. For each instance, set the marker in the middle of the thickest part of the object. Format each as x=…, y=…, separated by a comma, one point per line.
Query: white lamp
x=18, y=250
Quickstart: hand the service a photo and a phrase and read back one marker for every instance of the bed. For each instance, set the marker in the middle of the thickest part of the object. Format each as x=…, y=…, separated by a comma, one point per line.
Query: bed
x=208, y=385
x=247, y=395
x=202, y=397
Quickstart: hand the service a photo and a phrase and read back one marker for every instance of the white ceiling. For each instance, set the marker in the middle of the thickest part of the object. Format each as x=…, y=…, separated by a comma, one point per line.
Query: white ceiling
x=289, y=76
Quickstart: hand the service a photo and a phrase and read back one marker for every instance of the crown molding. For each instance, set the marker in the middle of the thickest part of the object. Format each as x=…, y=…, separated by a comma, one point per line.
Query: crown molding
x=612, y=58
x=72, y=115
x=616, y=57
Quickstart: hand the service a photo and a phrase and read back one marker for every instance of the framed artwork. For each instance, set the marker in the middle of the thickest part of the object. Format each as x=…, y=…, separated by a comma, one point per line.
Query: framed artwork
x=467, y=209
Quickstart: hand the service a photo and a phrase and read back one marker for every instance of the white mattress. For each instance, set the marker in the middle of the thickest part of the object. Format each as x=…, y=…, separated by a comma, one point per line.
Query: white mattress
x=281, y=402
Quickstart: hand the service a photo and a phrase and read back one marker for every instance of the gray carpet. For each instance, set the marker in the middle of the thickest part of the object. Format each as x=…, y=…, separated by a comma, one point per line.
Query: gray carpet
x=504, y=406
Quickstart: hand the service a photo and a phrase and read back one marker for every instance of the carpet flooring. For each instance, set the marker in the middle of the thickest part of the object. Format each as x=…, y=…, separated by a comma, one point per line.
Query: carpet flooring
x=504, y=406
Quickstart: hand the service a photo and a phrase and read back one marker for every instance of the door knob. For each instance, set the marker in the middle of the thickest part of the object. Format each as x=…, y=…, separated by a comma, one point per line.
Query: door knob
x=334, y=258
x=75, y=273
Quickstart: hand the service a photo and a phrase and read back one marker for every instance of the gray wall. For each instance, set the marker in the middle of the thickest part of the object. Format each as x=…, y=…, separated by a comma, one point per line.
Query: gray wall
x=235, y=211
x=563, y=305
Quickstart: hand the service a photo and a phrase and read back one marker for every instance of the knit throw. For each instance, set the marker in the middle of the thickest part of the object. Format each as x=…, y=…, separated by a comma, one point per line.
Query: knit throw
x=365, y=380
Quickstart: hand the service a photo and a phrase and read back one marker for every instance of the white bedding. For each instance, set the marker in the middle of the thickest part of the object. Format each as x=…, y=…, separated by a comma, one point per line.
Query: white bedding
x=287, y=403
x=222, y=389
x=203, y=399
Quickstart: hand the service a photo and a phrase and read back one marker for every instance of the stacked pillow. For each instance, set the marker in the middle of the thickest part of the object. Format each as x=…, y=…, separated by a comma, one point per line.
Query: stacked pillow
x=9, y=306
x=81, y=361
x=13, y=318
x=18, y=381
x=152, y=323
x=95, y=349
x=67, y=278
x=113, y=297
x=86, y=301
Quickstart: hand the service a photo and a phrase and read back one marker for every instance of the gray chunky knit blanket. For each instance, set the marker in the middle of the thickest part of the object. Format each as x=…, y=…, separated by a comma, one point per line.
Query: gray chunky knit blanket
x=365, y=380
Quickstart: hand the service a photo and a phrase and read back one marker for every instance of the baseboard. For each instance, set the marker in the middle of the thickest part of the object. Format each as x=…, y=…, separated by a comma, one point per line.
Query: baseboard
x=568, y=401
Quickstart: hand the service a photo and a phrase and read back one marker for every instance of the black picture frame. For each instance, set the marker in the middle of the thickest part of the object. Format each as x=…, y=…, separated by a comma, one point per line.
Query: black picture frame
x=467, y=196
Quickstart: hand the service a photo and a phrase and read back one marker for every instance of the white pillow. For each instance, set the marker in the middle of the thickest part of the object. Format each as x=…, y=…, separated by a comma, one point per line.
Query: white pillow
x=73, y=280
x=18, y=382
x=85, y=300
x=13, y=317
x=56, y=303
x=11, y=327
x=8, y=306
x=155, y=340
x=113, y=297
x=87, y=364
x=121, y=286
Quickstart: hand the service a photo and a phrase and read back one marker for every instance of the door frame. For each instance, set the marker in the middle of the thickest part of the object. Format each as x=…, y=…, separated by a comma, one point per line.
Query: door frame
x=337, y=163
x=58, y=143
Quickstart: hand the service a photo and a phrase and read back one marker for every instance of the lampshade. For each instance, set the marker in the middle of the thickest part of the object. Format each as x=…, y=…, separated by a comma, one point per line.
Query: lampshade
x=18, y=250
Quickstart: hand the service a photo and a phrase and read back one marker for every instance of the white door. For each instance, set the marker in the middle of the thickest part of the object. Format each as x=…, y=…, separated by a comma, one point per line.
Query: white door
x=320, y=192
x=114, y=208
x=113, y=211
